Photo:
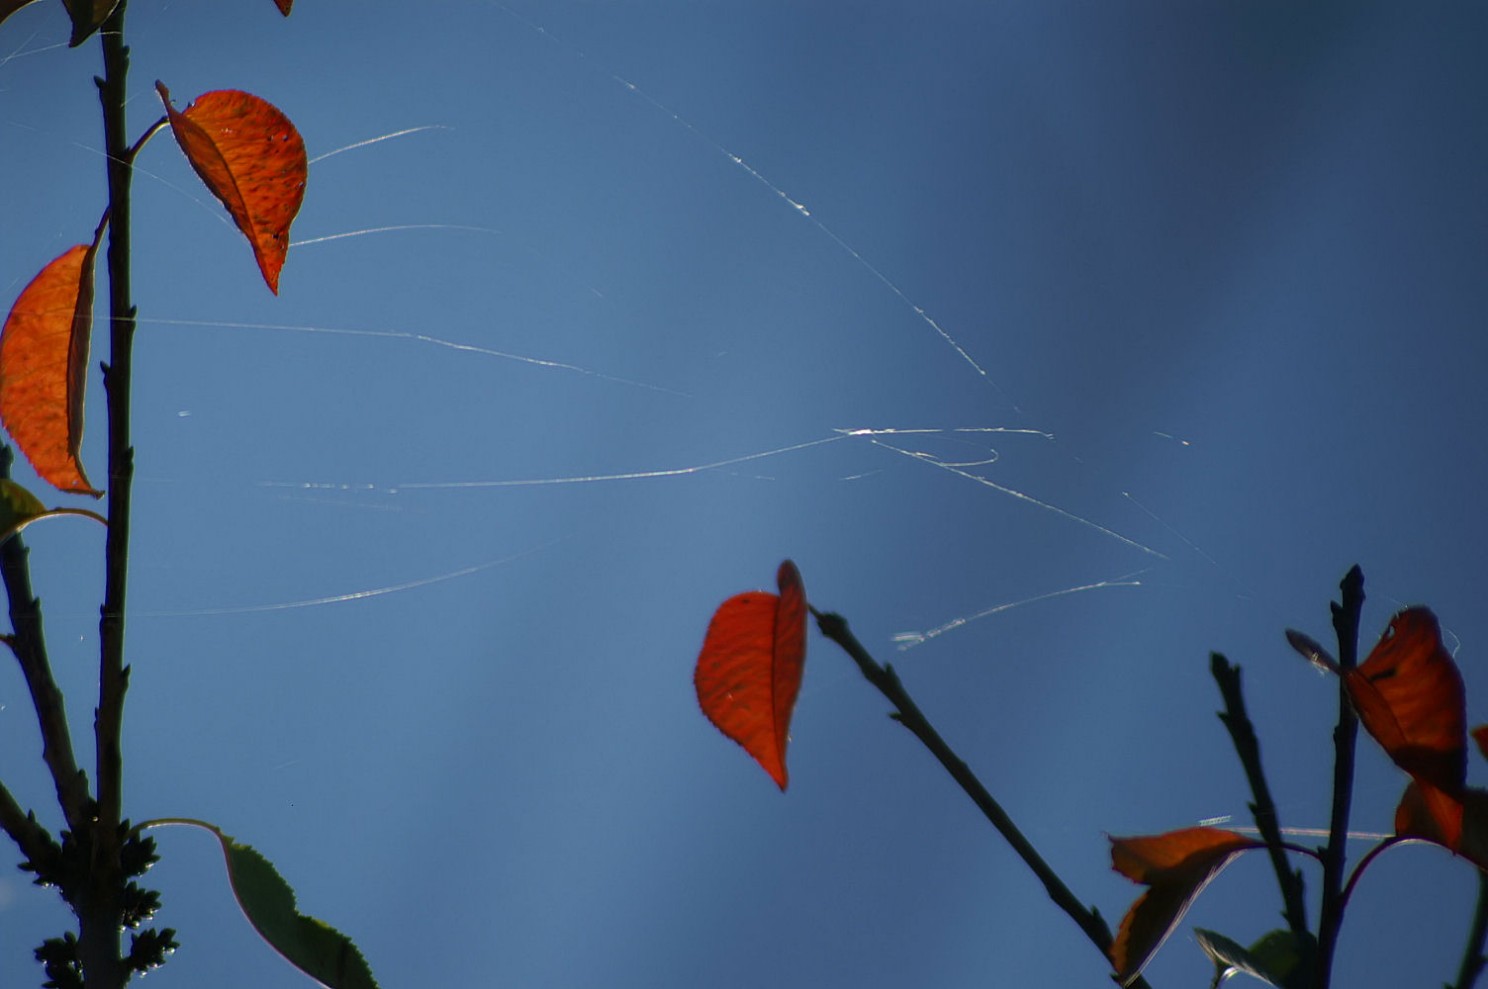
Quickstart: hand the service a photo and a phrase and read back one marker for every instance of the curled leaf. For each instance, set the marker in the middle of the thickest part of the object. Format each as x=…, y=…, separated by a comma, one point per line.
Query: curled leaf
x=1175, y=867
x=1311, y=651
x=252, y=159
x=1409, y=697
x=43, y=368
x=749, y=671
x=1278, y=958
x=17, y=508
x=87, y=16
x=312, y=946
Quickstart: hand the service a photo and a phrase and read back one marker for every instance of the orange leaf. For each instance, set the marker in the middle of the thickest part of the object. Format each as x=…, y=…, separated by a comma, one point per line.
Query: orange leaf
x=749, y=671
x=1409, y=697
x=253, y=160
x=284, y=6
x=1176, y=867
x=43, y=368
x=1458, y=825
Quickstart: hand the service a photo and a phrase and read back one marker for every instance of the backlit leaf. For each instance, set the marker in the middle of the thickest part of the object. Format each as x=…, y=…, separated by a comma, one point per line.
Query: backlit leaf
x=43, y=368
x=1480, y=735
x=1409, y=697
x=1457, y=822
x=87, y=16
x=1277, y=958
x=1175, y=867
x=749, y=671
x=17, y=507
x=315, y=948
x=251, y=157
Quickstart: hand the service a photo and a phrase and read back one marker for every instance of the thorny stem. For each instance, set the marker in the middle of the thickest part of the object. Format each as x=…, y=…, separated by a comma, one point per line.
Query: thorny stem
x=1248, y=747
x=1346, y=625
x=908, y=714
x=1473, y=960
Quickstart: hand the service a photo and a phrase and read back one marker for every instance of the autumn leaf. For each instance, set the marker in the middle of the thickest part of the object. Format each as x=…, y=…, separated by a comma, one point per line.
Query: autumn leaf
x=43, y=368
x=1458, y=823
x=1409, y=697
x=252, y=159
x=1480, y=735
x=284, y=6
x=749, y=671
x=1175, y=867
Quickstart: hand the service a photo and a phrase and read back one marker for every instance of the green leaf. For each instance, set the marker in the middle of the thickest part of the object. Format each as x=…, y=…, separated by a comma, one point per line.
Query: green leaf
x=1275, y=959
x=314, y=947
x=17, y=508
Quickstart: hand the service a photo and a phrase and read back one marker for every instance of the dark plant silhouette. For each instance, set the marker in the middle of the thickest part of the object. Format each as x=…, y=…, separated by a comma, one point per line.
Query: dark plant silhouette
x=251, y=158
x=1407, y=693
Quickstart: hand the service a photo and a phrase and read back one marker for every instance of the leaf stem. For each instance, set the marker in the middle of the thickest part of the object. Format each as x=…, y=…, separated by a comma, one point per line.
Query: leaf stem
x=1248, y=748
x=1346, y=613
x=1369, y=856
x=908, y=714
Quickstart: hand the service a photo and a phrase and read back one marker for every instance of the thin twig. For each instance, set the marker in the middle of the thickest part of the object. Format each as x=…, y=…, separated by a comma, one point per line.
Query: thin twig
x=1473, y=959
x=29, y=645
x=908, y=714
x=1346, y=625
x=1248, y=748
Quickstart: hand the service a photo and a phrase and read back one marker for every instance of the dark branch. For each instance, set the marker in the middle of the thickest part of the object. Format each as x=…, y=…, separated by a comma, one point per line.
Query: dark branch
x=28, y=643
x=908, y=714
x=1346, y=625
x=1248, y=748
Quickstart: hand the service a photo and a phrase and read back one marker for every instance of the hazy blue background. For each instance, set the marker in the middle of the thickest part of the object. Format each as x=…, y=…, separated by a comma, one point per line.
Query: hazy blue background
x=1230, y=256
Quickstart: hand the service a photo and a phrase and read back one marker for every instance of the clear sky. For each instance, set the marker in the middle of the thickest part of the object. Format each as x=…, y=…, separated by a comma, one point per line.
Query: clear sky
x=1185, y=300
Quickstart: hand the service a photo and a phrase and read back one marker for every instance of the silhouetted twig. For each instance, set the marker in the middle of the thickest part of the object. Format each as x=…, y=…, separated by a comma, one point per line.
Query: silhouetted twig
x=1248, y=748
x=908, y=714
x=1346, y=625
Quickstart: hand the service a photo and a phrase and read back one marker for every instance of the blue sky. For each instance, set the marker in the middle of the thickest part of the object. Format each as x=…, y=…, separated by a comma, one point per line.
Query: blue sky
x=426, y=546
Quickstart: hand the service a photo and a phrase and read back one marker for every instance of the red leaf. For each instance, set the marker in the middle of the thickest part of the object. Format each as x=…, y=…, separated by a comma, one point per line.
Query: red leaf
x=1458, y=825
x=749, y=671
x=1480, y=735
x=1409, y=697
x=43, y=368
x=253, y=160
x=1176, y=867
x=284, y=6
